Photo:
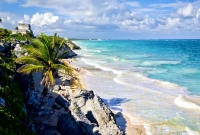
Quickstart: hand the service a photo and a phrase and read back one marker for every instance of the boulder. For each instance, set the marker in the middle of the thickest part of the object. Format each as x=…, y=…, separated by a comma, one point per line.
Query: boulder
x=74, y=46
x=61, y=101
x=2, y=48
x=68, y=125
x=2, y=102
x=95, y=111
x=69, y=54
x=18, y=50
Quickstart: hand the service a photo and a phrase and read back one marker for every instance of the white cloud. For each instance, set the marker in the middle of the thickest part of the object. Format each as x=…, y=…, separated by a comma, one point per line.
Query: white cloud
x=175, y=5
x=26, y=18
x=114, y=15
x=186, y=11
x=8, y=20
x=43, y=19
x=10, y=1
x=133, y=4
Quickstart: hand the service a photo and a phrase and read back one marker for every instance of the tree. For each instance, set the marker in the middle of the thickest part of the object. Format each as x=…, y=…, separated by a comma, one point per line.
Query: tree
x=0, y=20
x=43, y=55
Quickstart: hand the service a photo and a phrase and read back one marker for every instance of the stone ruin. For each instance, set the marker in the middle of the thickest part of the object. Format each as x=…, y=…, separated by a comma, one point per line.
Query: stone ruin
x=23, y=28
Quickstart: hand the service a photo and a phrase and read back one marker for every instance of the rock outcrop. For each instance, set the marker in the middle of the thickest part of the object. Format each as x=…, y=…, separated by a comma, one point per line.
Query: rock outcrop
x=89, y=108
x=69, y=54
x=73, y=46
x=5, y=49
x=78, y=112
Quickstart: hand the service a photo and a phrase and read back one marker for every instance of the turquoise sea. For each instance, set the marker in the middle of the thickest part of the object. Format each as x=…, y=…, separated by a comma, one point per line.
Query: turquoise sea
x=155, y=82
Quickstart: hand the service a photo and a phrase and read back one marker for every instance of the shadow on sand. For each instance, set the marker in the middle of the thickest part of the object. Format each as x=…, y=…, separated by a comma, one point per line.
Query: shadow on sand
x=115, y=104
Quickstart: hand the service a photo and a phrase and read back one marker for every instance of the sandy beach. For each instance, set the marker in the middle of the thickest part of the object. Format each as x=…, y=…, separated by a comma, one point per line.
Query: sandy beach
x=121, y=119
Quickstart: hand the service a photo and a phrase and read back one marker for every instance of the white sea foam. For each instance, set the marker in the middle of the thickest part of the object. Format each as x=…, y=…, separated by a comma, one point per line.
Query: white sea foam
x=118, y=81
x=191, y=132
x=87, y=55
x=181, y=101
x=157, y=63
x=104, y=68
x=147, y=129
x=188, y=71
x=115, y=58
x=134, y=79
x=98, y=51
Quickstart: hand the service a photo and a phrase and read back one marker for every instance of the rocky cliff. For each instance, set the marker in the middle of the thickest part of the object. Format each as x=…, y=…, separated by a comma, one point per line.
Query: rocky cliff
x=71, y=112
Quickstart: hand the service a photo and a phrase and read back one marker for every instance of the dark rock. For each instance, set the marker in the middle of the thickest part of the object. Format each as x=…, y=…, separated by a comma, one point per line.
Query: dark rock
x=61, y=101
x=67, y=125
x=56, y=106
x=2, y=102
x=2, y=49
x=69, y=54
x=91, y=117
x=46, y=112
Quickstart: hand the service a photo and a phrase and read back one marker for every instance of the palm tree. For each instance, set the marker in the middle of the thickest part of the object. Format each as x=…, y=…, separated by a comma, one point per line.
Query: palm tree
x=43, y=55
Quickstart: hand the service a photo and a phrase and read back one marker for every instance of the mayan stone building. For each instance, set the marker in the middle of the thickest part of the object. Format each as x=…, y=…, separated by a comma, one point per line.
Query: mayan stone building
x=22, y=28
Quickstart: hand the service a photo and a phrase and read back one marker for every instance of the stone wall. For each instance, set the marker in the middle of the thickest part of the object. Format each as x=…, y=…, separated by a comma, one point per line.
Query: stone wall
x=23, y=28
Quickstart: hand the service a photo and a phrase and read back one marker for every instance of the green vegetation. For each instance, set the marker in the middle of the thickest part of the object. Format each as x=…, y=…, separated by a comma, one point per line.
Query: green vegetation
x=4, y=33
x=7, y=35
x=13, y=117
x=43, y=56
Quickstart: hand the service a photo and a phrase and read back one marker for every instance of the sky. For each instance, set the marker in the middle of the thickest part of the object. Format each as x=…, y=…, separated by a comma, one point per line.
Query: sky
x=106, y=19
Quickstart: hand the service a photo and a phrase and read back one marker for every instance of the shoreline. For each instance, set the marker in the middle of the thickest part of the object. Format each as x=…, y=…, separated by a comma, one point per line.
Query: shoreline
x=122, y=120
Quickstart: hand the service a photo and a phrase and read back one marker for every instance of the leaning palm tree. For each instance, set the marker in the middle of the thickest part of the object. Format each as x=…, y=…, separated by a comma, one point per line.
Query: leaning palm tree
x=43, y=55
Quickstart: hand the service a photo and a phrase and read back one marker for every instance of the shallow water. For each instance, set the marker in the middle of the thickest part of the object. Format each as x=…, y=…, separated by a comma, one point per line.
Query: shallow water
x=155, y=82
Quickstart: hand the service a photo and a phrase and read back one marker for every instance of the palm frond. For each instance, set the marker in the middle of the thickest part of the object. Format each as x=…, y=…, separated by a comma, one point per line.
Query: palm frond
x=42, y=47
x=28, y=60
x=31, y=50
x=28, y=68
x=60, y=66
x=37, y=44
x=61, y=43
x=44, y=39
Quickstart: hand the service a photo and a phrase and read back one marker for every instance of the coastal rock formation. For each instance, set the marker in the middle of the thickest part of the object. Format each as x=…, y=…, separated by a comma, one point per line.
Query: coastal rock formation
x=91, y=108
x=73, y=46
x=18, y=50
x=78, y=112
x=69, y=54
x=5, y=49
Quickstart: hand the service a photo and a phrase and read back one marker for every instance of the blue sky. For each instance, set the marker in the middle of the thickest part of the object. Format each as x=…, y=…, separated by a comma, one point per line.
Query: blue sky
x=113, y=19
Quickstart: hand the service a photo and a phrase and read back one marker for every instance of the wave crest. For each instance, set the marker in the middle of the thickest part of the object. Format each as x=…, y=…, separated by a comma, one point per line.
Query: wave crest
x=181, y=101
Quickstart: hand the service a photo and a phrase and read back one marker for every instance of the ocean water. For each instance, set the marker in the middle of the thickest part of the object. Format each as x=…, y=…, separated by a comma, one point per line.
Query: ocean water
x=155, y=82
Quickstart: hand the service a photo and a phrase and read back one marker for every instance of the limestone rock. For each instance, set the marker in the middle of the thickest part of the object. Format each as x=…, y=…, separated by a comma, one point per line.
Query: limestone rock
x=69, y=54
x=18, y=50
x=74, y=46
x=96, y=111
